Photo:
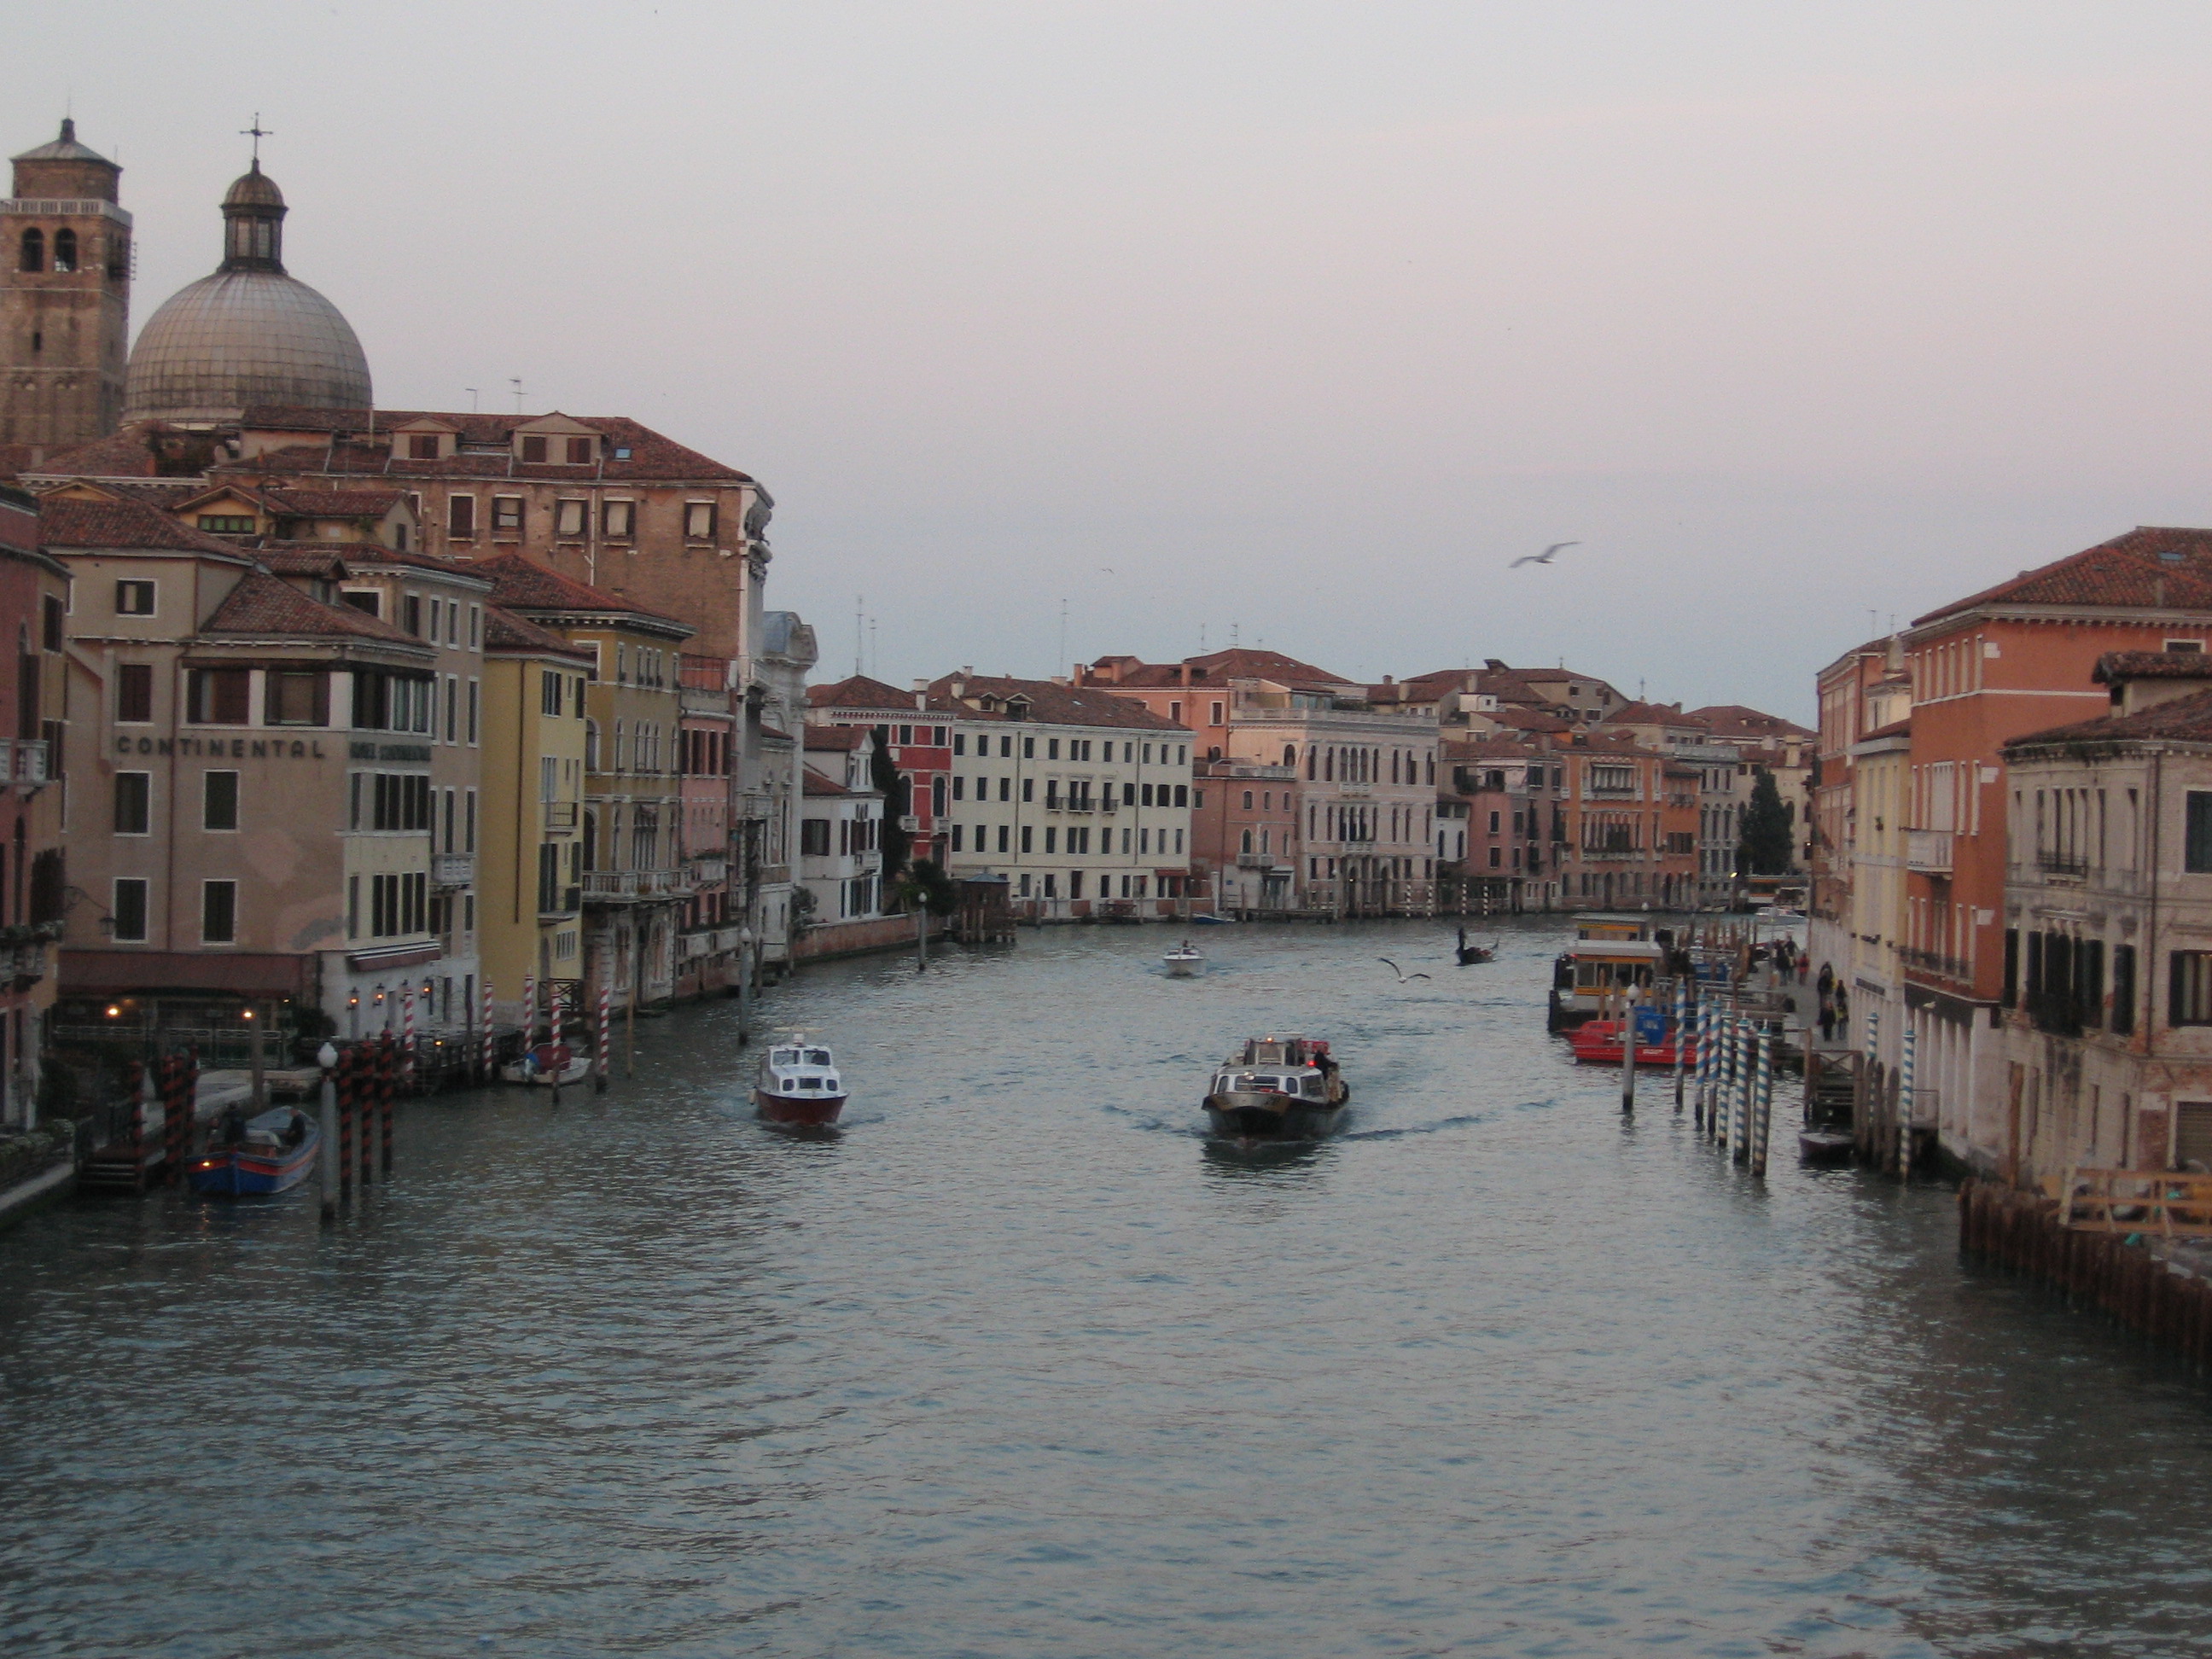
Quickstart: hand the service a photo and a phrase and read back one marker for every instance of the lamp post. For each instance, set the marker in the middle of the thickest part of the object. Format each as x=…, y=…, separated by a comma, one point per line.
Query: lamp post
x=327, y=1153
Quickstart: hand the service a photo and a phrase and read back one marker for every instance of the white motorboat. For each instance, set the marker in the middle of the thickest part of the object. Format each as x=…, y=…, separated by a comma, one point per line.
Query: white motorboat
x=1186, y=961
x=799, y=1083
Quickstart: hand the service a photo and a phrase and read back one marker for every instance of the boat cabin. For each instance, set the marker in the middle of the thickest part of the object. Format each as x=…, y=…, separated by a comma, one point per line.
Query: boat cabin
x=1588, y=970
x=801, y=1068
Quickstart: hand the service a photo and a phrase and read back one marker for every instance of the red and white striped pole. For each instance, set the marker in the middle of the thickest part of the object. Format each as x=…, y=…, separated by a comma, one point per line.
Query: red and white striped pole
x=489, y=1052
x=606, y=1022
x=407, y=1025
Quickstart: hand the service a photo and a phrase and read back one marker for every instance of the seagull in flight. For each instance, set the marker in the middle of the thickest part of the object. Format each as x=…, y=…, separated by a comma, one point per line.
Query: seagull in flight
x=1403, y=976
x=1545, y=558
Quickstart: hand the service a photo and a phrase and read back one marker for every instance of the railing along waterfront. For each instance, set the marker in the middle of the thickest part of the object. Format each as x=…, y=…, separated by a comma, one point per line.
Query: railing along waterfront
x=2161, y=1201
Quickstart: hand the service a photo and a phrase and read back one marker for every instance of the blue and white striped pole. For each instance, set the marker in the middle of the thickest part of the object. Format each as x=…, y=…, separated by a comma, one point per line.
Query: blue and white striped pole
x=1905, y=1103
x=1763, y=1109
x=1681, y=1034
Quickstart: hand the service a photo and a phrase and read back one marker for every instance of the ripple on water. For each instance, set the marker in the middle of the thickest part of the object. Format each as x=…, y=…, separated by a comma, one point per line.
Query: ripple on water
x=1020, y=1364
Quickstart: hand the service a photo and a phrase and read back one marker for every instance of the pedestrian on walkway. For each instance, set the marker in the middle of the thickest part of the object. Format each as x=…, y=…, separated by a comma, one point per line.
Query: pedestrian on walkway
x=1827, y=979
x=1827, y=1018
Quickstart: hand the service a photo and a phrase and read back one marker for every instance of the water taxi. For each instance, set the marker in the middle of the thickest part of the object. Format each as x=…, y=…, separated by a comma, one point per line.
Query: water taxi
x=1186, y=961
x=799, y=1083
x=1610, y=954
x=273, y=1152
x=1598, y=1042
x=1277, y=1088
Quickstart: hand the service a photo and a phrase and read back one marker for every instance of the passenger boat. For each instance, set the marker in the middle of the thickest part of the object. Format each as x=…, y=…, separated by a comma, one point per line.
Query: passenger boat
x=1597, y=1042
x=548, y=1065
x=1470, y=955
x=273, y=1152
x=799, y=1083
x=1186, y=961
x=1610, y=954
x=1276, y=1088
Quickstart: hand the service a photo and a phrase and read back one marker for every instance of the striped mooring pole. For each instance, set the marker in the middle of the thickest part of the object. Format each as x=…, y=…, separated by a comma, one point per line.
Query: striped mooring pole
x=1709, y=1060
x=604, y=1036
x=1905, y=1068
x=1763, y=1113
x=1724, y=1084
x=529, y=1013
x=489, y=1052
x=1681, y=1034
x=407, y=1026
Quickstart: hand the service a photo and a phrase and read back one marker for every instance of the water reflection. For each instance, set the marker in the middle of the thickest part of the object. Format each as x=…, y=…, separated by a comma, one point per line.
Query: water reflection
x=1018, y=1363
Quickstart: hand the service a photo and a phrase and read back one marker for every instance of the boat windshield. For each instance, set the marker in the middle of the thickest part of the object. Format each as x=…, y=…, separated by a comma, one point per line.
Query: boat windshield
x=818, y=1056
x=784, y=1057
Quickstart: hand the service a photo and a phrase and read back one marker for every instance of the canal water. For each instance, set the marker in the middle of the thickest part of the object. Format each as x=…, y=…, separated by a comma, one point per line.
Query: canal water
x=1017, y=1366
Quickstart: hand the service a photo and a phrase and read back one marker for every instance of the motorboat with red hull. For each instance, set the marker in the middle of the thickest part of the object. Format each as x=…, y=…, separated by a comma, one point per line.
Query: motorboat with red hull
x=798, y=1085
x=1276, y=1089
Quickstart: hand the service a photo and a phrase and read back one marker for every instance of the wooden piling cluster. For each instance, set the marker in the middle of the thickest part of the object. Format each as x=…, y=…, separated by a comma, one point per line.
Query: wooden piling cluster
x=2022, y=1232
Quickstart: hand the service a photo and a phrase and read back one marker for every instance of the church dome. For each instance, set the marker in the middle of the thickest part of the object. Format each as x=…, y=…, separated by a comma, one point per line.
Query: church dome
x=240, y=337
x=249, y=334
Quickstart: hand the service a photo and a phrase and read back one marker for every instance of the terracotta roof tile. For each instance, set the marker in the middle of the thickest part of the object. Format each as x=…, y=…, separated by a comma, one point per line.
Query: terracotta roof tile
x=2185, y=719
x=815, y=784
x=846, y=738
x=261, y=604
x=2117, y=666
x=523, y=585
x=2149, y=567
x=505, y=631
x=333, y=503
x=1051, y=704
x=123, y=526
x=286, y=559
x=651, y=454
x=858, y=691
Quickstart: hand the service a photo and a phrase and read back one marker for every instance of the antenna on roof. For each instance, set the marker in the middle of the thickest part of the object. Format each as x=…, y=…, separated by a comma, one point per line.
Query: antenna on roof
x=859, y=634
x=1063, y=634
x=472, y=391
x=515, y=380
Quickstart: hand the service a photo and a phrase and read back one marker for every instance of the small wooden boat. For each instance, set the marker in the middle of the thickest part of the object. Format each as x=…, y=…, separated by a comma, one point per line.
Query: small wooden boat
x=799, y=1083
x=1597, y=1042
x=272, y=1152
x=1470, y=955
x=1825, y=1145
x=1208, y=921
x=1276, y=1089
x=1186, y=961
x=548, y=1066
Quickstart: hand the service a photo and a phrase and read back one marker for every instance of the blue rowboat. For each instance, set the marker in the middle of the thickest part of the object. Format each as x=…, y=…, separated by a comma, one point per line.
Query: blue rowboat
x=267, y=1160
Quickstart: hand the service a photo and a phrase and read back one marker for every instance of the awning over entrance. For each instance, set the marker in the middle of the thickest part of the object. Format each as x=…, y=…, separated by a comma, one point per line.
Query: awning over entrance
x=135, y=973
x=394, y=955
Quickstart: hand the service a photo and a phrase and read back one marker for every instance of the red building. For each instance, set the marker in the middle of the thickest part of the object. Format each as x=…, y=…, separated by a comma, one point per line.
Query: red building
x=916, y=729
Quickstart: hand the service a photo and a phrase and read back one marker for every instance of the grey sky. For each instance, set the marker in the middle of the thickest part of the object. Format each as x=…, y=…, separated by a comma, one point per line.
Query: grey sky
x=1301, y=318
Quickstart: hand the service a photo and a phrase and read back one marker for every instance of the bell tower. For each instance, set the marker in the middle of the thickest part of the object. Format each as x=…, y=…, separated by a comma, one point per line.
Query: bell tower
x=65, y=296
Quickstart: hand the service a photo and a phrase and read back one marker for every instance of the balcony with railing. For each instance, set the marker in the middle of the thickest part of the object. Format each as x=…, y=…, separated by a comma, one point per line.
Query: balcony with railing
x=560, y=815
x=452, y=869
x=627, y=886
x=1934, y=962
x=554, y=903
x=2062, y=863
x=1928, y=852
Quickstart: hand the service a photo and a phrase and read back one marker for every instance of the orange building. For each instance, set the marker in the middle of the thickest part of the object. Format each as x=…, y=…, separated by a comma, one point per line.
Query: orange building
x=2015, y=658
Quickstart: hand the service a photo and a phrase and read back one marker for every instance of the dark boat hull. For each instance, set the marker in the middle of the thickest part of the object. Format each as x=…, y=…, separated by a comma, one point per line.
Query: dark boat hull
x=1826, y=1146
x=236, y=1172
x=1250, y=1119
x=801, y=1111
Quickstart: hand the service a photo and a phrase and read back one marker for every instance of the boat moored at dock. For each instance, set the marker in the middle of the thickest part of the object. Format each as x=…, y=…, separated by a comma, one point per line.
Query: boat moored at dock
x=271, y=1153
x=1276, y=1089
x=1609, y=955
x=798, y=1085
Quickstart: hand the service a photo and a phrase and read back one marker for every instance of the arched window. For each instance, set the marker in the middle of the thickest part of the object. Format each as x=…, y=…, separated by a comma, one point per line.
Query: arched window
x=65, y=250
x=591, y=746
x=1312, y=759
x=1291, y=755
x=34, y=250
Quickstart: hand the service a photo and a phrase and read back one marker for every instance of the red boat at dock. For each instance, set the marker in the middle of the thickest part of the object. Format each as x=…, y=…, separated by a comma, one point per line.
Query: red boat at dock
x=1597, y=1042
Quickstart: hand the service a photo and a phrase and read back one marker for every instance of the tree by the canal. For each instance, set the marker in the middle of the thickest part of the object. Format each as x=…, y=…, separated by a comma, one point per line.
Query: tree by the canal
x=897, y=791
x=1764, y=847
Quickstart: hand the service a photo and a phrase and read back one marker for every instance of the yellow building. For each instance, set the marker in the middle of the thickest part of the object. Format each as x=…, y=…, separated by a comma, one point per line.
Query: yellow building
x=634, y=880
x=530, y=875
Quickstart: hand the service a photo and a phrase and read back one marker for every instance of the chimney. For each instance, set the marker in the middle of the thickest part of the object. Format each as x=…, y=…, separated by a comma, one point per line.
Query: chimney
x=959, y=687
x=1185, y=679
